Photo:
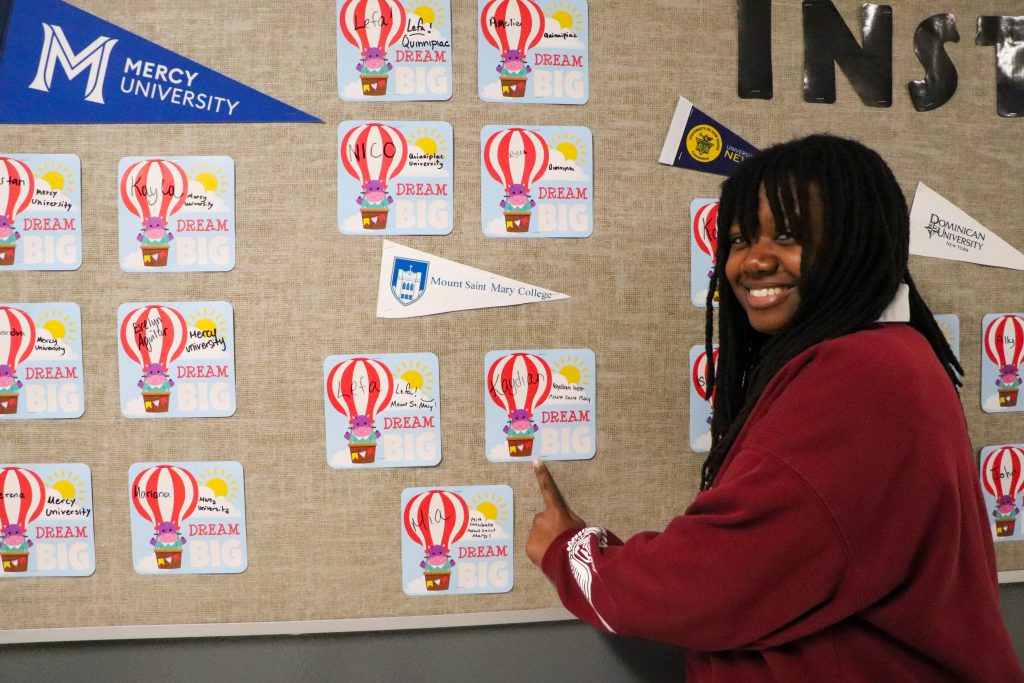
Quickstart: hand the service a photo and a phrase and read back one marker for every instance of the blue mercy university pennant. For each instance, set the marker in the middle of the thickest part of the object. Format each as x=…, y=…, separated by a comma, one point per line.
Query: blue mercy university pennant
x=60, y=64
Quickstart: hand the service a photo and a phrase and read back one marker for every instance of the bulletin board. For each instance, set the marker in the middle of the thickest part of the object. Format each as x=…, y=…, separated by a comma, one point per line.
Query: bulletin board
x=324, y=544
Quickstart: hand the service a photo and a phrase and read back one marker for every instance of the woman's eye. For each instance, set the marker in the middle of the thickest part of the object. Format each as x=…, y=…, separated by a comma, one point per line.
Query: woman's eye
x=737, y=240
x=785, y=236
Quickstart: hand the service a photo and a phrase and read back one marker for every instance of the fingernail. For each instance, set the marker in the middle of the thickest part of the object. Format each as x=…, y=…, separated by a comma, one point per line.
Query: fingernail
x=536, y=465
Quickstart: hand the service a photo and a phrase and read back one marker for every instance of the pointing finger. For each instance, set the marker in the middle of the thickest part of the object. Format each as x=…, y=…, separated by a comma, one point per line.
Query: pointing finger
x=548, y=488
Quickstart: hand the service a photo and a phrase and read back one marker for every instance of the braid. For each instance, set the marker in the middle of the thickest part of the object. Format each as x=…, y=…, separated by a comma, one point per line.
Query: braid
x=849, y=273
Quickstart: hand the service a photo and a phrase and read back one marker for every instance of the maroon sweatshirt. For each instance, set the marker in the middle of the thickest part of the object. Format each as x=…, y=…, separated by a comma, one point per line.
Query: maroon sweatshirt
x=845, y=538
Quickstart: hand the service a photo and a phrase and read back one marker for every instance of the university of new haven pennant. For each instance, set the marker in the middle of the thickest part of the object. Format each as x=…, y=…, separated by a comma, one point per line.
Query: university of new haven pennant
x=60, y=64
x=700, y=143
x=414, y=283
x=940, y=229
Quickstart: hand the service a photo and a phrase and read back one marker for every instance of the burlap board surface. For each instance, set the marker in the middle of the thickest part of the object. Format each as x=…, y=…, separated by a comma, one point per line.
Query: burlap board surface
x=325, y=544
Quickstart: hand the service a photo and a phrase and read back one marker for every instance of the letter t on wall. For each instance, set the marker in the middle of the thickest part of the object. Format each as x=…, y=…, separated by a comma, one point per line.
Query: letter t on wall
x=1007, y=34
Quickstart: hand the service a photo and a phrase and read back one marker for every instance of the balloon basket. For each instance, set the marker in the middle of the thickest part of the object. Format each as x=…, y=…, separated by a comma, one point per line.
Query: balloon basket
x=513, y=86
x=374, y=219
x=517, y=221
x=15, y=563
x=1005, y=527
x=7, y=254
x=155, y=257
x=374, y=86
x=1008, y=398
x=437, y=581
x=362, y=453
x=156, y=401
x=8, y=404
x=520, y=448
x=168, y=559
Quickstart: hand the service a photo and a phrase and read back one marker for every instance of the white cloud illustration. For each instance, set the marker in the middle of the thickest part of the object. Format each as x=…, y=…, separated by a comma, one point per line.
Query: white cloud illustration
x=500, y=452
x=52, y=494
x=225, y=507
x=496, y=227
x=353, y=224
x=552, y=26
x=354, y=90
x=147, y=565
x=417, y=586
x=558, y=159
x=991, y=404
x=133, y=261
x=702, y=444
x=134, y=408
x=341, y=460
x=492, y=92
x=54, y=350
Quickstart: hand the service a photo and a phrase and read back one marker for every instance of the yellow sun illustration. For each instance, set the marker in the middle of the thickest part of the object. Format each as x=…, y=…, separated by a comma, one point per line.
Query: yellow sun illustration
x=416, y=374
x=571, y=146
x=568, y=16
x=59, y=324
x=573, y=369
x=211, y=176
x=68, y=484
x=221, y=482
x=210, y=322
x=430, y=12
x=492, y=506
x=57, y=175
x=430, y=141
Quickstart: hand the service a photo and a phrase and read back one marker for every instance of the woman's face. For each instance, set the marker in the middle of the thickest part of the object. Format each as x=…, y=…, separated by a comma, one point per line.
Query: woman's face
x=764, y=273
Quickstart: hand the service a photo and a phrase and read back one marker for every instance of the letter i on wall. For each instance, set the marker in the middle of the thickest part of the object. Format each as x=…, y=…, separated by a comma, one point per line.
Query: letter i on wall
x=391, y=50
x=540, y=404
x=176, y=214
x=188, y=518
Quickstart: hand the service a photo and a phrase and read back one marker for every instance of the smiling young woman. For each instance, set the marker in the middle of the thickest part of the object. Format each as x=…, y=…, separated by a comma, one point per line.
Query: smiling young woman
x=802, y=559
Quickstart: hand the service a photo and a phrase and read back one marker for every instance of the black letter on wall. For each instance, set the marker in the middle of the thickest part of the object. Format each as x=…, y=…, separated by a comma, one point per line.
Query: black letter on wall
x=827, y=41
x=754, y=24
x=1007, y=34
x=940, y=76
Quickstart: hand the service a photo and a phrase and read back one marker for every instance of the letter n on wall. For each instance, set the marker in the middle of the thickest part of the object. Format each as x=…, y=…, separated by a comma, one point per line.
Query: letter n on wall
x=828, y=41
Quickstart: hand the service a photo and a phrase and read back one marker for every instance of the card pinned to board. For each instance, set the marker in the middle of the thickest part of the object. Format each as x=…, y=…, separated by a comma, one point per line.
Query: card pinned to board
x=61, y=64
x=941, y=229
x=414, y=283
x=697, y=142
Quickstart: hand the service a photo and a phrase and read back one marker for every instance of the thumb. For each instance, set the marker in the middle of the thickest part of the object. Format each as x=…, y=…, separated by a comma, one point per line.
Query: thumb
x=548, y=488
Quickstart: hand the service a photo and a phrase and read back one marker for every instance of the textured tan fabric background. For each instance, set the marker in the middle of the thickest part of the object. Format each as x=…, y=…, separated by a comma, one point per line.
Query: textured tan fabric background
x=301, y=291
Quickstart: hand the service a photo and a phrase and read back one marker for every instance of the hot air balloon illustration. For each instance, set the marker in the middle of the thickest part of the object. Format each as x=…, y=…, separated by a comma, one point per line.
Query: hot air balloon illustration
x=166, y=495
x=373, y=26
x=360, y=389
x=705, y=233
x=17, y=187
x=154, y=337
x=374, y=154
x=22, y=497
x=517, y=158
x=17, y=340
x=1002, y=475
x=436, y=520
x=519, y=383
x=513, y=27
x=700, y=378
x=1004, y=346
x=154, y=190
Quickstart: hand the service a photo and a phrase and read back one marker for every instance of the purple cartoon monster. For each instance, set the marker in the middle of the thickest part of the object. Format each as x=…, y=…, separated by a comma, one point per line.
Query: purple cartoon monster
x=437, y=559
x=520, y=423
x=9, y=382
x=155, y=379
x=374, y=62
x=362, y=430
x=167, y=536
x=517, y=199
x=375, y=196
x=7, y=232
x=154, y=231
x=513, y=63
x=14, y=539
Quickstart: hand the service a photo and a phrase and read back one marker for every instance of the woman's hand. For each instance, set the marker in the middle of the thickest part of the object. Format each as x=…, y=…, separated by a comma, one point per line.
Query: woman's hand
x=553, y=520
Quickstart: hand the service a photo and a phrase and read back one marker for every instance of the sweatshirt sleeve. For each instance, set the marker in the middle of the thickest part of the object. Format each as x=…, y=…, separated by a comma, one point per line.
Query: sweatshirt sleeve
x=753, y=563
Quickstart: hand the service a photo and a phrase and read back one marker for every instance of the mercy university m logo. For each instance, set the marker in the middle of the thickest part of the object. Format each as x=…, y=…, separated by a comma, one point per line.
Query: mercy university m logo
x=56, y=49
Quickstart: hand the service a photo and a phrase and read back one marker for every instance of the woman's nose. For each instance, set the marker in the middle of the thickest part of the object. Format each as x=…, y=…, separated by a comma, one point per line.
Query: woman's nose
x=761, y=257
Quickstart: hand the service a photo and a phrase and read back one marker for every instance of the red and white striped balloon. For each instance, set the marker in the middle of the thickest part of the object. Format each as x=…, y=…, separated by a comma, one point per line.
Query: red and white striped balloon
x=17, y=187
x=1004, y=341
x=519, y=381
x=512, y=25
x=24, y=496
x=17, y=336
x=165, y=493
x=154, y=334
x=705, y=229
x=154, y=187
x=372, y=23
x=1002, y=474
x=516, y=156
x=436, y=517
x=374, y=151
x=360, y=386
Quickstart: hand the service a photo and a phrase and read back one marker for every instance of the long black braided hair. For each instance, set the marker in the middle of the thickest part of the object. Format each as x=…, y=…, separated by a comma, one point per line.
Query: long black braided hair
x=858, y=263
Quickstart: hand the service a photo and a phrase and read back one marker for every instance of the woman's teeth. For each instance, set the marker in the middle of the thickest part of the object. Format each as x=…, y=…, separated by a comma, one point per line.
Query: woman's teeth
x=770, y=291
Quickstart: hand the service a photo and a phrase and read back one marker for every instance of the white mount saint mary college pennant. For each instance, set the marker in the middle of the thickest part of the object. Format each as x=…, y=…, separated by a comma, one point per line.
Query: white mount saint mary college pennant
x=414, y=283
x=940, y=229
